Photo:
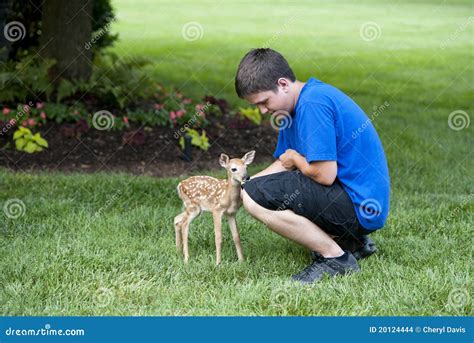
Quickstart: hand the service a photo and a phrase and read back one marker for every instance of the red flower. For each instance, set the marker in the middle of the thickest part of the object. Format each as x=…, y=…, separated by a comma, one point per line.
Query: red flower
x=187, y=101
x=125, y=120
x=6, y=110
x=180, y=113
x=43, y=115
x=31, y=122
x=39, y=105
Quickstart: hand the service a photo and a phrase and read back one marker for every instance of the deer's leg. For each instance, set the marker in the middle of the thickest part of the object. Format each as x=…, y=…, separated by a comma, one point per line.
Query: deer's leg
x=217, y=216
x=178, y=224
x=191, y=213
x=236, y=236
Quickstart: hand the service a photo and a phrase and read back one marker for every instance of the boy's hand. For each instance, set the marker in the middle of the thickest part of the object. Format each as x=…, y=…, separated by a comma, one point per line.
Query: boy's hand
x=288, y=158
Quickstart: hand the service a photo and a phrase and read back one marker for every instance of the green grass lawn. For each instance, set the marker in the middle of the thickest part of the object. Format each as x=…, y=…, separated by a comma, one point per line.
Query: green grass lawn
x=60, y=258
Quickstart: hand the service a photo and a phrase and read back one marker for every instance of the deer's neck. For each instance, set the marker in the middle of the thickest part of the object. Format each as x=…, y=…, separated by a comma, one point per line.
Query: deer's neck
x=233, y=189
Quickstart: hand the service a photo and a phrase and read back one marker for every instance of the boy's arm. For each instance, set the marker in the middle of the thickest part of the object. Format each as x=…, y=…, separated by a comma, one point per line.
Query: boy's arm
x=323, y=172
x=275, y=167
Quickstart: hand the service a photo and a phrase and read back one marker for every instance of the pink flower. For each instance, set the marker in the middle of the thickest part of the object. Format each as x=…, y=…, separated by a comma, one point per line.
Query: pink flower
x=6, y=110
x=24, y=123
x=39, y=105
x=173, y=116
x=187, y=101
x=158, y=106
x=125, y=120
x=43, y=115
x=31, y=122
x=180, y=113
x=200, y=110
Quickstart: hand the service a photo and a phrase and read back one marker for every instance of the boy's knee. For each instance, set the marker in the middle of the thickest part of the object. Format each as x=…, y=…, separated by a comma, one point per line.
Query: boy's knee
x=249, y=204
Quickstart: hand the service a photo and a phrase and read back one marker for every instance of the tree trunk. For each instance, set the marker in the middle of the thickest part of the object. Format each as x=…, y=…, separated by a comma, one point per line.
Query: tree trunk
x=4, y=43
x=67, y=28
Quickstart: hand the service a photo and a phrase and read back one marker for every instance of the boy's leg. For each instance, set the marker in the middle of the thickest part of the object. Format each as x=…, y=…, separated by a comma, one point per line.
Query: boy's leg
x=293, y=206
x=292, y=226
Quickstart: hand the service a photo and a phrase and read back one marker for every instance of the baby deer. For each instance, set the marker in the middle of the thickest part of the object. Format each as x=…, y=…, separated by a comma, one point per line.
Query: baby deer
x=205, y=193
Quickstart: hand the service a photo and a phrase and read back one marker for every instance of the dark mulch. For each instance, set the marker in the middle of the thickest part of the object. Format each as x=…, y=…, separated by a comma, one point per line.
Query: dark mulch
x=159, y=155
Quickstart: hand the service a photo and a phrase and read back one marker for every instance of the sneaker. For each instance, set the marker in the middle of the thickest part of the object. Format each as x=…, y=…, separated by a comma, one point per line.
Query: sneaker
x=331, y=266
x=361, y=247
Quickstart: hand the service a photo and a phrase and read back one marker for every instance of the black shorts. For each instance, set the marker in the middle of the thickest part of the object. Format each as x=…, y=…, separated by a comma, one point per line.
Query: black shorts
x=329, y=207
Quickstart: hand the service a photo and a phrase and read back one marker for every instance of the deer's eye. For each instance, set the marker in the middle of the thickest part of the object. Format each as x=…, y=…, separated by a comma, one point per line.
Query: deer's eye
x=233, y=169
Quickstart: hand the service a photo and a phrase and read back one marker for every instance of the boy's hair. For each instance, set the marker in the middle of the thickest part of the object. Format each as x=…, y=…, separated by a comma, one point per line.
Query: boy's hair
x=260, y=70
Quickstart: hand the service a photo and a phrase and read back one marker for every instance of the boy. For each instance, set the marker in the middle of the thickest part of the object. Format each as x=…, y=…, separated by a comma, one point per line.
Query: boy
x=328, y=188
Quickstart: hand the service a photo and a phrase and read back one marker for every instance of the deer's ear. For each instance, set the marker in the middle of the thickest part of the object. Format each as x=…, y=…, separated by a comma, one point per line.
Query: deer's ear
x=223, y=160
x=248, y=157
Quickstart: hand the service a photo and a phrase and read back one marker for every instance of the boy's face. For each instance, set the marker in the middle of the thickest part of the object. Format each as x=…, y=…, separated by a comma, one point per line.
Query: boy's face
x=270, y=101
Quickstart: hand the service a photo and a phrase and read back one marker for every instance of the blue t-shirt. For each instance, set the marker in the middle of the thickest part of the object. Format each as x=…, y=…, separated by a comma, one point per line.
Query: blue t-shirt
x=327, y=125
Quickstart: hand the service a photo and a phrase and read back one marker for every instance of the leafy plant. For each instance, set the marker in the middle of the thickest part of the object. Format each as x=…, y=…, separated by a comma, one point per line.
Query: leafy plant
x=251, y=113
x=121, y=82
x=27, y=142
x=150, y=118
x=19, y=79
x=199, y=140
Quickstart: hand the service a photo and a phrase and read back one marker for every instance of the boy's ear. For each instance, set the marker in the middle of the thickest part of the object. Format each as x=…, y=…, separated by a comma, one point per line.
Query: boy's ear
x=248, y=157
x=223, y=160
x=283, y=83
